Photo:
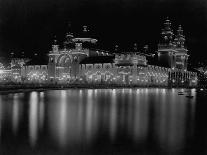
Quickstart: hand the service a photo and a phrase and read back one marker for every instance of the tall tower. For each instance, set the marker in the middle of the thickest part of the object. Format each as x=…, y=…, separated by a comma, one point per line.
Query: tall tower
x=181, y=56
x=68, y=43
x=165, y=47
x=52, y=60
x=171, y=49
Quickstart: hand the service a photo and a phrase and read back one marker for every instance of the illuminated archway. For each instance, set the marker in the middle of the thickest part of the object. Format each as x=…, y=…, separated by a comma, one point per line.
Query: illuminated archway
x=63, y=66
x=64, y=60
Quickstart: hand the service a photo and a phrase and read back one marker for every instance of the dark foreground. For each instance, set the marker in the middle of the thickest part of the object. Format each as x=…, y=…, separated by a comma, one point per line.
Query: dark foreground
x=104, y=121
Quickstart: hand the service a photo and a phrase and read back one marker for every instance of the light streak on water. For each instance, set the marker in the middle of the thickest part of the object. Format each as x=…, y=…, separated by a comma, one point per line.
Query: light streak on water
x=33, y=118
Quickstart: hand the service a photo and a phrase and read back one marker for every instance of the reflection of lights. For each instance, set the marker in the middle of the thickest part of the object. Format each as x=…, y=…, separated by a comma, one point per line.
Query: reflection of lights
x=63, y=118
x=41, y=109
x=80, y=92
x=90, y=92
x=173, y=90
x=33, y=121
x=95, y=91
x=164, y=91
x=157, y=90
x=15, y=114
x=89, y=114
x=1, y=111
x=113, y=115
x=140, y=116
x=146, y=90
x=193, y=92
x=170, y=133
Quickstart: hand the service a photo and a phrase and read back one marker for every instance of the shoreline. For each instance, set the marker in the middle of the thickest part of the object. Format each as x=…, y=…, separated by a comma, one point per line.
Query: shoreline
x=27, y=88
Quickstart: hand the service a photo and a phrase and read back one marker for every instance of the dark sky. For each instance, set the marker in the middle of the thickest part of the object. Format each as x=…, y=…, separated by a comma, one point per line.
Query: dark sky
x=29, y=25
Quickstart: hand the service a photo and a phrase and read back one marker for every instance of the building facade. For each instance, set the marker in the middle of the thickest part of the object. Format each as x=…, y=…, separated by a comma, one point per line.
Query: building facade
x=173, y=54
x=78, y=62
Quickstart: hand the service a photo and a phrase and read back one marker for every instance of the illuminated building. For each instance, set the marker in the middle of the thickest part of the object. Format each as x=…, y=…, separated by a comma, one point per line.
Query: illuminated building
x=5, y=74
x=35, y=73
x=64, y=63
x=17, y=68
x=171, y=50
x=77, y=62
x=80, y=62
x=172, y=53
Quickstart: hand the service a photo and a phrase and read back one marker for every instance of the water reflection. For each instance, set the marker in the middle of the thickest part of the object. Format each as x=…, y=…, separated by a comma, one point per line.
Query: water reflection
x=113, y=115
x=41, y=110
x=80, y=117
x=36, y=115
x=120, y=110
x=33, y=118
x=15, y=113
x=1, y=115
x=141, y=117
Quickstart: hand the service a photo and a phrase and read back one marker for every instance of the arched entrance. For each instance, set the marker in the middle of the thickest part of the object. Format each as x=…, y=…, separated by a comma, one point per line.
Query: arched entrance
x=63, y=67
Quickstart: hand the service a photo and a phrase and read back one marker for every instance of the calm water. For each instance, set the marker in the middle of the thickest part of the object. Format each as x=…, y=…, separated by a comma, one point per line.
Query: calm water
x=105, y=121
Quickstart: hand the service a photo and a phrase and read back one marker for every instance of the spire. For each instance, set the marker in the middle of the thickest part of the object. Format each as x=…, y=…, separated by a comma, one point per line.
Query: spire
x=85, y=29
x=167, y=24
x=116, y=48
x=22, y=54
x=167, y=32
x=69, y=33
x=146, y=48
x=55, y=40
x=55, y=45
x=180, y=30
x=85, y=32
x=179, y=38
x=12, y=54
x=68, y=38
x=135, y=47
x=69, y=26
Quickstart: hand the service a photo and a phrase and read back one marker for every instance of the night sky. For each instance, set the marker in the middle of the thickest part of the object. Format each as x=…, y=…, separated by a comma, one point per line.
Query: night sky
x=29, y=26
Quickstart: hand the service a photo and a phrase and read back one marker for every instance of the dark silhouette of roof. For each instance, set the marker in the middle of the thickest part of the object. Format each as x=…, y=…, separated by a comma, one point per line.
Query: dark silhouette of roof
x=98, y=59
x=37, y=61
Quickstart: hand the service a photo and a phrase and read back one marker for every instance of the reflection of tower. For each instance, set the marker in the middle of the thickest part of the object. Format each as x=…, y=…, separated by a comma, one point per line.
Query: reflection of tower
x=171, y=52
